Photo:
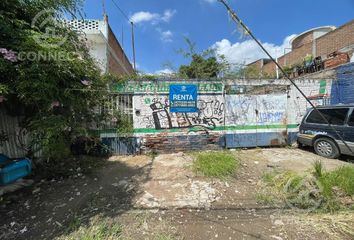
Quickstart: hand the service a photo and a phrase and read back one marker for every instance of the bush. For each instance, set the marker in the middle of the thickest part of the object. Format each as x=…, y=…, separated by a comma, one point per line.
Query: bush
x=215, y=164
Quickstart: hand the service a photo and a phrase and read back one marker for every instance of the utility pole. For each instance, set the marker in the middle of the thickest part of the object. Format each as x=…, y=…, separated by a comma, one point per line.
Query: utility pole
x=122, y=37
x=104, y=8
x=133, y=45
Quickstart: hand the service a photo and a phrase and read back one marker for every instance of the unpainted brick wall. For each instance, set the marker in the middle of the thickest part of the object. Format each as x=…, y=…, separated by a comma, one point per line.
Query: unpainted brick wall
x=113, y=65
x=333, y=41
x=165, y=143
x=336, y=40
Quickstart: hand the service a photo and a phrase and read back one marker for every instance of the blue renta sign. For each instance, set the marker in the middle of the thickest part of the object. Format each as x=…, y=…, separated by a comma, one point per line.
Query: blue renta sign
x=183, y=98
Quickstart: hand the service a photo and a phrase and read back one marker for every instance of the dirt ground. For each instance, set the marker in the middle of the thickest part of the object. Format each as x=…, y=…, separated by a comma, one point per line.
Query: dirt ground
x=159, y=197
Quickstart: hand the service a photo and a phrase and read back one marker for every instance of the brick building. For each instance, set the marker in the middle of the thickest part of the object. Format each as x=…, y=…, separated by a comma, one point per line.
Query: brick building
x=103, y=45
x=318, y=42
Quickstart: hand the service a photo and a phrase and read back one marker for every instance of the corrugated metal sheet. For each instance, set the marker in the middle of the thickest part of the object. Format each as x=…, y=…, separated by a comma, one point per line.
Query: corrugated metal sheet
x=122, y=145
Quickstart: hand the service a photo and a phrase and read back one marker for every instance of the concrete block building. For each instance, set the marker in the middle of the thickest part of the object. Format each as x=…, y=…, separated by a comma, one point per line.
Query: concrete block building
x=104, y=45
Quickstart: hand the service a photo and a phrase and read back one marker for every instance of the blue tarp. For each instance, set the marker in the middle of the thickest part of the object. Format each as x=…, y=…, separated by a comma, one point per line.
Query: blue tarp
x=343, y=87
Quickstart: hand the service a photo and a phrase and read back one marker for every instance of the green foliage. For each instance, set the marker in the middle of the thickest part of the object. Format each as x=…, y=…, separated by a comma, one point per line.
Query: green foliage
x=200, y=68
x=288, y=69
x=218, y=164
x=124, y=123
x=203, y=65
x=3, y=89
x=252, y=72
x=49, y=86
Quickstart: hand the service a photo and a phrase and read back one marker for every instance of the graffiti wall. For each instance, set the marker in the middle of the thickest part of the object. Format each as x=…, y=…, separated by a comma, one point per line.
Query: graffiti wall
x=230, y=114
x=318, y=91
x=256, y=109
x=152, y=113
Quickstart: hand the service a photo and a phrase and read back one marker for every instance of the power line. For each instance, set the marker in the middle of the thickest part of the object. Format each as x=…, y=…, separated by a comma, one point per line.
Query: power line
x=122, y=12
x=237, y=20
x=132, y=29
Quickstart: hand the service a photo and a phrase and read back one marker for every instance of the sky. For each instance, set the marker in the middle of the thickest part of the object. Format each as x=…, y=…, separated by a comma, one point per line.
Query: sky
x=162, y=25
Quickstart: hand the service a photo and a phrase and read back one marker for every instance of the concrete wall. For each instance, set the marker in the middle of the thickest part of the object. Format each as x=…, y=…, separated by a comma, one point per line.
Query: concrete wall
x=233, y=113
x=103, y=45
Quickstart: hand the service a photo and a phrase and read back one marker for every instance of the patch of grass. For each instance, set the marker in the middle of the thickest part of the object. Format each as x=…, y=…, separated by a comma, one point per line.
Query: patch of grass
x=325, y=191
x=73, y=224
x=338, y=188
x=218, y=164
x=269, y=176
x=99, y=229
x=265, y=198
x=342, y=178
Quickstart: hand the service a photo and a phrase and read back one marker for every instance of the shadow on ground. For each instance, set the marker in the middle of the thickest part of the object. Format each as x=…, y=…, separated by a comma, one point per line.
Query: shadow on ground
x=50, y=209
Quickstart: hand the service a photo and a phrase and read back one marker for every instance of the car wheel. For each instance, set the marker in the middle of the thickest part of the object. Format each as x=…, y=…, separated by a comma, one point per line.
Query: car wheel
x=326, y=147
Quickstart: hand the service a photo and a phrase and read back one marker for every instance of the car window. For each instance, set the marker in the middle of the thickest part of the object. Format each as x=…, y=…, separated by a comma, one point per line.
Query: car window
x=335, y=116
x=351, y=120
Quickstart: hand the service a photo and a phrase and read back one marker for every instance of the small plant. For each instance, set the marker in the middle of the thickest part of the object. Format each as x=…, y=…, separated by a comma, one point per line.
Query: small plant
x=215, y=164
x=99, y=229
x=341, y=178
x=265, y=198
x=318, y=168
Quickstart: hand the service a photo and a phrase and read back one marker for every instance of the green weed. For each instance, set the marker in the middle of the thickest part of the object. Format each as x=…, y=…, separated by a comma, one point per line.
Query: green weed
x=318, y=168
x=218, y=164
x=99, y=229
x=314, y=190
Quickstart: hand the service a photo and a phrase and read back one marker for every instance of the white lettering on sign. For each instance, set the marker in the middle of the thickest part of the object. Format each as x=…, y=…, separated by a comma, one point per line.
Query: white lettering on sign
x=183, y=97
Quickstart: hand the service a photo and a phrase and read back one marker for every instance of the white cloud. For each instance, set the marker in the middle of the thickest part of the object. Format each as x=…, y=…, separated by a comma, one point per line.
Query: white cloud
x=139, y=17
x=166, y=36
x=168, y=14
x=248, y=51
x=154, y=18
x=165, y=71
x=210, y=1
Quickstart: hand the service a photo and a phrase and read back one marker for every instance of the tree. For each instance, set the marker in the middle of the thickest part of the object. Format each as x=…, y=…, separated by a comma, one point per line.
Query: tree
x=54, y=85
x=203, y=65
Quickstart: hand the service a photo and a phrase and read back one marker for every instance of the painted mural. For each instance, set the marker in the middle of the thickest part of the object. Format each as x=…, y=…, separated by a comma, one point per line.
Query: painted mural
x=152, y=112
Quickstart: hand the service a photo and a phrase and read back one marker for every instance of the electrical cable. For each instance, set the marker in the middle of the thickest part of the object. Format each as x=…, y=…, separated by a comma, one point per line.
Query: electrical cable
x=122, y=12
x=237, y=20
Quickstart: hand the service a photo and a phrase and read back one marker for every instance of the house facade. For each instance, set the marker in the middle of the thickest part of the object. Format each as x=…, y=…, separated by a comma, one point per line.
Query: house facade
x=103, y=45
